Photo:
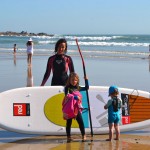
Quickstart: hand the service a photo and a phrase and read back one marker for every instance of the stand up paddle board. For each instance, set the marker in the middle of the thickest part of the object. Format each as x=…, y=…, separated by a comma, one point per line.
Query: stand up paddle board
x=38, y=110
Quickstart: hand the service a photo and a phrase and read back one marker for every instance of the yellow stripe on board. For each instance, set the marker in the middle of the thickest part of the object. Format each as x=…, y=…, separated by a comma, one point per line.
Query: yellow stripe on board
x=53, y=111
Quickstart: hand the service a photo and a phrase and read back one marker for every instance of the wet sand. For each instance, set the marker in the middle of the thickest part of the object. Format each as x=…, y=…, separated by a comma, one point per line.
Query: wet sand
x=100, y=71
x=127, y=142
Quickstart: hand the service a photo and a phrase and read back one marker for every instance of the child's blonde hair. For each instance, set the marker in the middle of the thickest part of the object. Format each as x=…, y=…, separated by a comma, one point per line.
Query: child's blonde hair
x=73, y=75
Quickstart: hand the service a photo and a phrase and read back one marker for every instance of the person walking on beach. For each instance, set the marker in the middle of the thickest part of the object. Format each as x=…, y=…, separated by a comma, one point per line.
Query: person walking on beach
x=29, y=45
x=59, y=64
x=113, y=105
x=15, y=48
x=73, y=99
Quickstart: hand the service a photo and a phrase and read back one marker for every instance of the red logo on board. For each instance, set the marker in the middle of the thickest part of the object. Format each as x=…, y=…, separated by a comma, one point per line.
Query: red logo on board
x=125, y=119
x=21, y=109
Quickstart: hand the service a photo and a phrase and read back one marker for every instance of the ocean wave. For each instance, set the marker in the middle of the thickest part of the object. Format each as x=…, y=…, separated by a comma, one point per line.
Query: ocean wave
x=107, y=37
x=99, y=38
x=86, y=53
x=109, y=44
x=89, y=37
x=96, y=43
x=98, y=52
x=47, y=42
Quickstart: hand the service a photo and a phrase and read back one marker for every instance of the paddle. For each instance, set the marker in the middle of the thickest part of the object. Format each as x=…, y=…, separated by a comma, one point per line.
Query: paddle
x=86, y=90
x=99, y=97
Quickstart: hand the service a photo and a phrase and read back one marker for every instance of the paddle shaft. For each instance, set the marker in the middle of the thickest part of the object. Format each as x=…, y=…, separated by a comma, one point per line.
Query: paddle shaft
x=86, y=90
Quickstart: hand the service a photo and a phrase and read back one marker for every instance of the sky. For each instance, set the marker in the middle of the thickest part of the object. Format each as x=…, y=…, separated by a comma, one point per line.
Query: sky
x=76, y=16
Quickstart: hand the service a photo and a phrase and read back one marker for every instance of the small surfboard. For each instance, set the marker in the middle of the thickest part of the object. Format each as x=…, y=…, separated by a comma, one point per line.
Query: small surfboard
x=38, y=110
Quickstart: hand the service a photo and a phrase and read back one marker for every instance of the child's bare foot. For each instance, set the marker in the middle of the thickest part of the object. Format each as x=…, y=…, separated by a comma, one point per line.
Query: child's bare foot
x=83, y=138
x=69, y=139
x=116, y=139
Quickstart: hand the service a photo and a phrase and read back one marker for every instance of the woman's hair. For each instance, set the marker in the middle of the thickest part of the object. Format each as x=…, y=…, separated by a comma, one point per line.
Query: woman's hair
x=29, y=43
x=73, y=75
x=58, y=43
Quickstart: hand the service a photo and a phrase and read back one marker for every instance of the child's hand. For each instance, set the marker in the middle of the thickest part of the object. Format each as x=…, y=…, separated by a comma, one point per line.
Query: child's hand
x=105, y=107
x=76, y=97
x=85, y=77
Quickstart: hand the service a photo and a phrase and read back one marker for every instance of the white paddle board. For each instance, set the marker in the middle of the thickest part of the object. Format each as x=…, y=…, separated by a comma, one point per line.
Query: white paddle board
x=38, y=110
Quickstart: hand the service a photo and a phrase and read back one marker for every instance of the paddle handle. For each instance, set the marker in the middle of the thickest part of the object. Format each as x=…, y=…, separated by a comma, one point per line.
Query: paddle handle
x=86, y=90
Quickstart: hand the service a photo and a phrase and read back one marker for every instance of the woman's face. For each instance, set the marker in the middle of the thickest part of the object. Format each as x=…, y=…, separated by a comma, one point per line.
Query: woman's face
x=61, y=48
x=74, y=81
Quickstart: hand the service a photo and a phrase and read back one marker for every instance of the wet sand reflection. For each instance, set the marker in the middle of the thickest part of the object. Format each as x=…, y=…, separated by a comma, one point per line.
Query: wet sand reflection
x=59, y=143
x=29, y=77
x=15, y=59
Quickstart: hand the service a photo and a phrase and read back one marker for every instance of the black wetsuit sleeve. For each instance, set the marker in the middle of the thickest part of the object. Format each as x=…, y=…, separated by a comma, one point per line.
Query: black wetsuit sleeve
x=71, y=65
x=47, y=73
x=86, y=86
x=66, y=90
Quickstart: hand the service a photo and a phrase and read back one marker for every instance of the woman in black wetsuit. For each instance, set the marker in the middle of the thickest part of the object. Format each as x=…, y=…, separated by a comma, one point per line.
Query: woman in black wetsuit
x=59, y=64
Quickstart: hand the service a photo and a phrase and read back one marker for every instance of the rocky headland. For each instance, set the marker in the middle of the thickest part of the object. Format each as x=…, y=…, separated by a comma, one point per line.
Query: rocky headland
x=23, y=33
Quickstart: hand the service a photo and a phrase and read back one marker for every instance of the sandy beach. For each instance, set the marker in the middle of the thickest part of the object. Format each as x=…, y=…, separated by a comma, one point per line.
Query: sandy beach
x=127, y=141
x=14, y=74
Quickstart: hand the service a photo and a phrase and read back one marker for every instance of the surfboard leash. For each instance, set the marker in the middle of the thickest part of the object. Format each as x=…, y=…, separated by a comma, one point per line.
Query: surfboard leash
x=134, y=97
x=86, y=90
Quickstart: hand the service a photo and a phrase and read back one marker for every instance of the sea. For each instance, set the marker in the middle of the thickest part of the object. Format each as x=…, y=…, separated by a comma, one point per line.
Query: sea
x=93, y=46
x=122, y=60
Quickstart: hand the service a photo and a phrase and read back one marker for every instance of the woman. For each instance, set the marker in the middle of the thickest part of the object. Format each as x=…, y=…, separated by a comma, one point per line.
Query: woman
x=29, y=51
x=59, y=64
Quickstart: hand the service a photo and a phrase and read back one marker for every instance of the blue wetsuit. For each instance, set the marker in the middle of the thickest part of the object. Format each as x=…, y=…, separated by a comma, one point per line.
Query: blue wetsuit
x=114, y=105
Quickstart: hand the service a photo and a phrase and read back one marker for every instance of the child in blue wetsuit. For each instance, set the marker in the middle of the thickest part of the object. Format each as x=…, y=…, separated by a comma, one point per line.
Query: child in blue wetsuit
x=113, y=105
x=71, y=88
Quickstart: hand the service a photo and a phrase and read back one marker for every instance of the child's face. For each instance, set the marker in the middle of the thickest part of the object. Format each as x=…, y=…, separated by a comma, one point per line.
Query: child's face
x=61, y=48
x=114, y=94
x=74, y=81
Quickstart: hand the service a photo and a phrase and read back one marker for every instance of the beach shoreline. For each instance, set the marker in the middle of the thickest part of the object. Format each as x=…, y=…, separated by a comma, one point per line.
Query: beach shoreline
x=126, y=141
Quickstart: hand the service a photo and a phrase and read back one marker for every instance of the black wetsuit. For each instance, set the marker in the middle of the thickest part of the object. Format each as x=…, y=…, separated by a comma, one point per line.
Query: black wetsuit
x=59, y=64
